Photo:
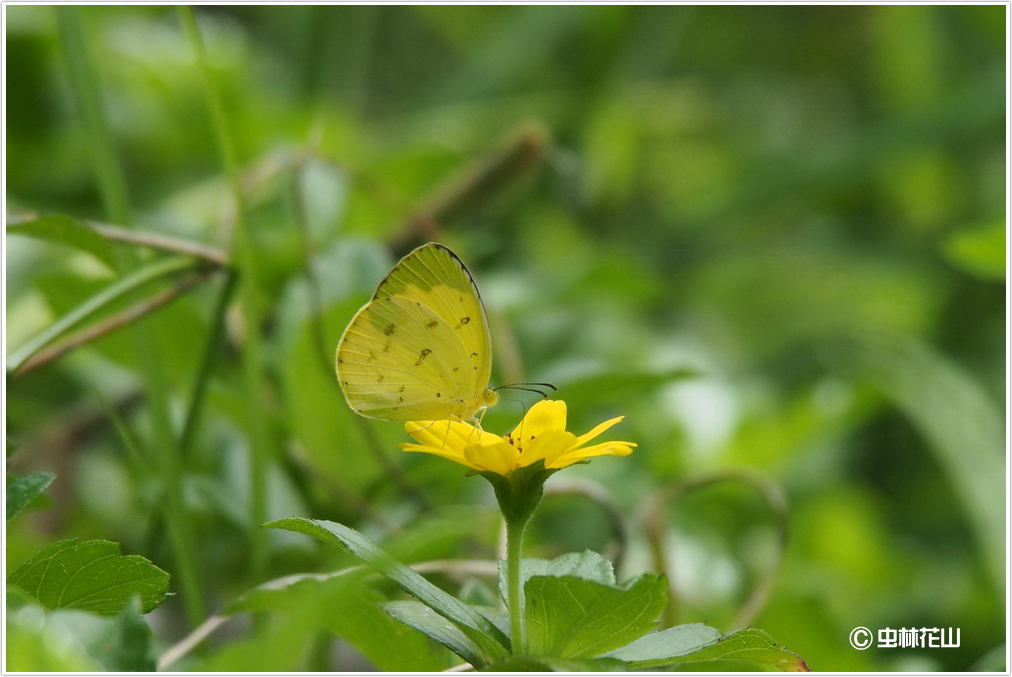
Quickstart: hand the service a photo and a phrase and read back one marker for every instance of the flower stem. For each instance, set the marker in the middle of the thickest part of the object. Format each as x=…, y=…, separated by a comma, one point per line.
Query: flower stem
x=518, y=494
x=514, y=545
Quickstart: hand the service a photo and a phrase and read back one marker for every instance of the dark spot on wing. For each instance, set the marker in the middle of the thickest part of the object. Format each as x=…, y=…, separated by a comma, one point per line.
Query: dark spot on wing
x=421, y=356
x=463, y=321
x=389, y=329
x=433, y=323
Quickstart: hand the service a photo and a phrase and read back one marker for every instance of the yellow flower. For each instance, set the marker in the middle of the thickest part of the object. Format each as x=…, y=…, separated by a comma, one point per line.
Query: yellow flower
x=541, y=435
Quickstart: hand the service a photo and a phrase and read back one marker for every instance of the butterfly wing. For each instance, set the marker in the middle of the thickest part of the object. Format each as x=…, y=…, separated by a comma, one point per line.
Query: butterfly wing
x=420, y=349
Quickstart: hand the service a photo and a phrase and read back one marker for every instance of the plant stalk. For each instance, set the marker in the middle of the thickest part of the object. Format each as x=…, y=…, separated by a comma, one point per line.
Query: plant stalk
x=245, y=261
x=514, y=553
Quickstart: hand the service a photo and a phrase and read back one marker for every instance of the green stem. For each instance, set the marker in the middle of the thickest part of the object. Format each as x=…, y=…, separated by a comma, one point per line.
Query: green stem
x=120, y=288
x=211, y=352
x=518, y=495
x=243, y=256
x=88, y=93
x=514, y=547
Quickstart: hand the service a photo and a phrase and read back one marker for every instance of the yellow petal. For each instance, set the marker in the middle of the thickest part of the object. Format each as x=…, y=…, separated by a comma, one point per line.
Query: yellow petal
x=549, y=446
x=446, y=452
x=455, y=434
x=544, y=416
x=598, y=429
x=578, y=454
x=501, y=457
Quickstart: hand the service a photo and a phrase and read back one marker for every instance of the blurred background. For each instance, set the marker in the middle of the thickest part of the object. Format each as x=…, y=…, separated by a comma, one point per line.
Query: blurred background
x=773, y=238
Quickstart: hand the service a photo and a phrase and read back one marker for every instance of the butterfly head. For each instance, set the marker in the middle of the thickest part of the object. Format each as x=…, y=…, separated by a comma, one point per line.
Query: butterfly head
x=489, y=397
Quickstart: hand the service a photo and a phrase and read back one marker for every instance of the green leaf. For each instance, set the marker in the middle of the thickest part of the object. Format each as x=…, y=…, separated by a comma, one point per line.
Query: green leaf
x=979, y=251
x=570, y=617
x=22, y=490
x=658, y=648
x=294, y=617
x=68, y=231
x=588, y=565
x=963, y=427
x=125, y=644
x=549, y=664
x=90, y=575
x=751, y=645
x=339, y=603
x=428, y=622
x=488, y=638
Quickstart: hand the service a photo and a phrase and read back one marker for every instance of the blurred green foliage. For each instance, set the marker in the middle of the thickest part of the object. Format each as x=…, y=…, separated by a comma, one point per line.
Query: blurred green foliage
x=772, y=237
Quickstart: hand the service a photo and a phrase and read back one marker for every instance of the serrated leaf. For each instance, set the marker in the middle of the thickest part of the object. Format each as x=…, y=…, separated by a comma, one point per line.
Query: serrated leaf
x=65, y=230
x=750, y=644
x=570, y=617
x=658, y=648
x=428, y=622
x=22, y=490
x=488, y=638
x=92, y=576
x=587, y=564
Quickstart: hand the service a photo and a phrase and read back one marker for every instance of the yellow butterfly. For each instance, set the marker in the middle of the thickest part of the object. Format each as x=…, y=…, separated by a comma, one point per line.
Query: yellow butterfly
x=420, y=349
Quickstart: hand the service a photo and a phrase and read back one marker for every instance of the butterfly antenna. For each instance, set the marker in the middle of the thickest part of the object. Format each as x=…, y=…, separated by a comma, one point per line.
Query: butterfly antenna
x=529, y=386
